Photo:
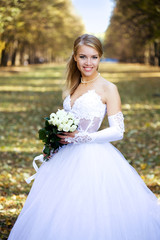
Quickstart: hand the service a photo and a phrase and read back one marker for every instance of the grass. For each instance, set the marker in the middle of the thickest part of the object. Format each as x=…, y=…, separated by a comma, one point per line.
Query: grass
x=28, y=94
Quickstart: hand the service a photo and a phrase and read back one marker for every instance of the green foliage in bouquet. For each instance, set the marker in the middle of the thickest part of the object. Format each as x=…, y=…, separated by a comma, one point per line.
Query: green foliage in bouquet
x=49, y=137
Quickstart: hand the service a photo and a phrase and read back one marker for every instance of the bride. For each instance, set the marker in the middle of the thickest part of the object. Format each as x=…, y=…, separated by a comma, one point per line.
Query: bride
x=87, y=190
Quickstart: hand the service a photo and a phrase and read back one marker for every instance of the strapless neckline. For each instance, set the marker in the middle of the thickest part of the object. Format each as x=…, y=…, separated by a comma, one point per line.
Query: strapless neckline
x=81, y=96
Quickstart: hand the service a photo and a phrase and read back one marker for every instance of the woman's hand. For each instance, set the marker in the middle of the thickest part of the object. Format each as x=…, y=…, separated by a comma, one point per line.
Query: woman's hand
x=65, y=135
x=44, y=155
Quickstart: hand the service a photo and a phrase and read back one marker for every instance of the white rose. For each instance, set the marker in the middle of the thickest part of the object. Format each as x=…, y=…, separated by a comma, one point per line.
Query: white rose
x=50, y=121
x=60, y=127
x=70, y=115
x=70, y=122
x=52, y=115
x=58, y=122
x=61, y=113
x=76, y=121
x=66, y=128
x=73, y=128
x=64, y=119
x=55, y=122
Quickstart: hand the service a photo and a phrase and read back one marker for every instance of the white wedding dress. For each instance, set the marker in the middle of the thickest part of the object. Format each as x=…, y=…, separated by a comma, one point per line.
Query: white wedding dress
x=88, y=191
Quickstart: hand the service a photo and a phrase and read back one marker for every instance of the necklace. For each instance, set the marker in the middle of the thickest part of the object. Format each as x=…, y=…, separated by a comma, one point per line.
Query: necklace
x=82, y=81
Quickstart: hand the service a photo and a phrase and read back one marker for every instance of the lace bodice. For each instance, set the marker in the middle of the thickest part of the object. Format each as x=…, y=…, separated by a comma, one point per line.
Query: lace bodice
x=89, y=109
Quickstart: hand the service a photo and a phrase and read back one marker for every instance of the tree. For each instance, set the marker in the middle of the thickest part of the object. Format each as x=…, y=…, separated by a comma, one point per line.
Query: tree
x=134, y=24
x=37, y=27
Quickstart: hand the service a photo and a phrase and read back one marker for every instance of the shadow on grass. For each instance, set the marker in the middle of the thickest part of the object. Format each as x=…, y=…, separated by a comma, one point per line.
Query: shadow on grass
x=6, y=223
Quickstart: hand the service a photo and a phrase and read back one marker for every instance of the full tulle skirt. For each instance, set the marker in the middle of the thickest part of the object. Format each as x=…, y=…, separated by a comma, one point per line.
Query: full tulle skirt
x=88, y=192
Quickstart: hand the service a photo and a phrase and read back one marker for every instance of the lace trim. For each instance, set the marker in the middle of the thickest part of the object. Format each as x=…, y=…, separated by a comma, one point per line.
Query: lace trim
x=95, y=107
x=119, y=119
x=81, y=137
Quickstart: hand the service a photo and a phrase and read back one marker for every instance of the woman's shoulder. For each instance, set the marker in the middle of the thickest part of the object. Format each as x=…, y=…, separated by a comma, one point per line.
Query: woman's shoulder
x=107, y=90
x=108, y=86
x=111, y=95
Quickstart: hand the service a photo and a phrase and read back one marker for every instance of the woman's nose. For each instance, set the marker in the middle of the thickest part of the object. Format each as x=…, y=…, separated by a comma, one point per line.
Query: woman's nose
x=88, y=61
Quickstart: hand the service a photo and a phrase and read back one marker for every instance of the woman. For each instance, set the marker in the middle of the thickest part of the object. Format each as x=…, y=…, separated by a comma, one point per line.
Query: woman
x=87, y=190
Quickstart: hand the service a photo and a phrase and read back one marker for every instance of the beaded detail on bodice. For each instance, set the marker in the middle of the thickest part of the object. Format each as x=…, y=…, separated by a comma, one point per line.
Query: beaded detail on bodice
x=89, y=109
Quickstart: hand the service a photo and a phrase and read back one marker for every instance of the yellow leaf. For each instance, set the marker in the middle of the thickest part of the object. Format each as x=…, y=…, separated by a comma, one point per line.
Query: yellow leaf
x=143, y=166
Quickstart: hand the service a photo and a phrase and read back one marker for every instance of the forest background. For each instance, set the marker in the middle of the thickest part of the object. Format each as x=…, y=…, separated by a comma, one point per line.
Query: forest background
x=43, y=31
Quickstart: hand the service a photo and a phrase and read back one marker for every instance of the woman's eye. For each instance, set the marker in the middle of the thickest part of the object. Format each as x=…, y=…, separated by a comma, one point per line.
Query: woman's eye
x=83, y=57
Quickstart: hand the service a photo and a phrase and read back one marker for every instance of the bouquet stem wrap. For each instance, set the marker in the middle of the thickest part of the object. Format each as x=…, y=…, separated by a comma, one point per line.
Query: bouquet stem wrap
x=39, y=158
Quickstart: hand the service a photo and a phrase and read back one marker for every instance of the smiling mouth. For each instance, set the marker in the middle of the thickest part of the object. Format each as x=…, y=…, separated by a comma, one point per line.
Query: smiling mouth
x=88, y=68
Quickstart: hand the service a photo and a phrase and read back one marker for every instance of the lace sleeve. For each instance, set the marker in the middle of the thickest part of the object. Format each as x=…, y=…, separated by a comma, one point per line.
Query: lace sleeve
x=113, y=133
x=117, y=120
x=81, y=137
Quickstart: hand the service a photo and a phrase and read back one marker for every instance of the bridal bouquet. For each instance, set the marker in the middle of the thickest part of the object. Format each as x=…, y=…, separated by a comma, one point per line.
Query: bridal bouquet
x=58, y=122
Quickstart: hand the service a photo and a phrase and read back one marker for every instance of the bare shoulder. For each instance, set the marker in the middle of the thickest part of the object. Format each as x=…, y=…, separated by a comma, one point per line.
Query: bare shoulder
x=111, y=96
x=108, y=87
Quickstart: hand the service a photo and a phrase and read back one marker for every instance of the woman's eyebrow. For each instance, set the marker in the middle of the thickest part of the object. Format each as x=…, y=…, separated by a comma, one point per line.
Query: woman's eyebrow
x=85, y=54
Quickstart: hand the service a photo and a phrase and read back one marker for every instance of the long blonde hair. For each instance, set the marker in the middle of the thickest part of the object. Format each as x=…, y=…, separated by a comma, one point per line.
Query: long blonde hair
x=73, y=74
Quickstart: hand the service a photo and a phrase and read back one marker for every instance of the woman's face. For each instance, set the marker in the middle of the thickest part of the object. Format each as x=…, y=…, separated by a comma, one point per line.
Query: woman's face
x=87, y=59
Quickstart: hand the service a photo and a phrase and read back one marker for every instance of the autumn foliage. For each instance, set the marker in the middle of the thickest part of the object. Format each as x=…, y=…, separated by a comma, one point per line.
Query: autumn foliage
x=28, y=94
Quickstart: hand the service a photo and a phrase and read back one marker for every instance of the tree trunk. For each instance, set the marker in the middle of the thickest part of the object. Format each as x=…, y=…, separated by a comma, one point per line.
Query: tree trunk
x=14, y=56
x=32, y=55
x=147, y=55
x=157, y=52
x=22, y=55
x=4, y=57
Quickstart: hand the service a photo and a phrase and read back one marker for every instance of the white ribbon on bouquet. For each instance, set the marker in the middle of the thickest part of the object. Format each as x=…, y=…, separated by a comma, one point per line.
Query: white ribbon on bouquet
x=39, y=158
